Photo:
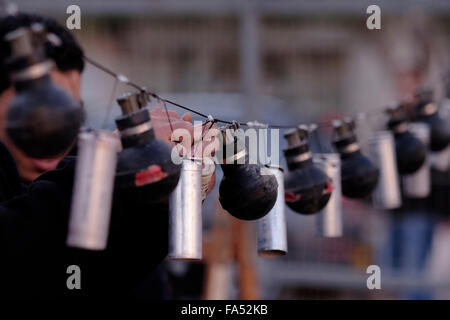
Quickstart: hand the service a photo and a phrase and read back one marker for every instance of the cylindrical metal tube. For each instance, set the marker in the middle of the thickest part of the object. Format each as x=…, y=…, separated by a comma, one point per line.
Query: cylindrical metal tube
x=185, y=213
x=93, y=188
x=272, y=238
x=418, y=184
x=387, y=195
x=329, y=220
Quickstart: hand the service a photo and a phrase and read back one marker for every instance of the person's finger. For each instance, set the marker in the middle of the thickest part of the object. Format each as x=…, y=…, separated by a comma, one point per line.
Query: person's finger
x=163, y=114
x=164, y=131
x=182, y=132
x=159, y=111
x=155, y=111
x=208, y=127
x=187, y=117
x=179, y=129
x=159, y=114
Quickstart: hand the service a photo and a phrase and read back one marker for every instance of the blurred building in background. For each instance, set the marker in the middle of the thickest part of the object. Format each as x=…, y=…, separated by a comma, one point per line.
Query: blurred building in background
x=285, y=61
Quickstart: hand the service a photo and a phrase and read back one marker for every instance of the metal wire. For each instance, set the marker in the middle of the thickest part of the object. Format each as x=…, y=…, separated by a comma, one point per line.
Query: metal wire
x=124, y=79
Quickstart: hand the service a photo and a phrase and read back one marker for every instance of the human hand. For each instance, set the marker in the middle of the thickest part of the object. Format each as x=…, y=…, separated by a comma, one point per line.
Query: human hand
x=193, y=140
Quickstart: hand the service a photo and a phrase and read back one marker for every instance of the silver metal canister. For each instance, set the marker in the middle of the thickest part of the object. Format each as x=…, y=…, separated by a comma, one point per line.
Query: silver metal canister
x=93, y=189
x=387, y=195
x=329, y=220
x=272, y=238
x=185, y=213
x=418, y=184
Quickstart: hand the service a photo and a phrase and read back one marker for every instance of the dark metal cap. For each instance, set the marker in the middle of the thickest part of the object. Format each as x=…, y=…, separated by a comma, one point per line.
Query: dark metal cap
x=20, y=42
x=343, y=129
x=298, y=136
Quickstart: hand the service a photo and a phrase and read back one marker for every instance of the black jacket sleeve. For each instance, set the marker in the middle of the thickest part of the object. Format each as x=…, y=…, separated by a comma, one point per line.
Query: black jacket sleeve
x=33, y=231
x=9, y=177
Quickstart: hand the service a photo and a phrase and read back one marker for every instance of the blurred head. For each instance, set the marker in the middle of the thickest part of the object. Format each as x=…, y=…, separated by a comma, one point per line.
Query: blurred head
x=69, y=64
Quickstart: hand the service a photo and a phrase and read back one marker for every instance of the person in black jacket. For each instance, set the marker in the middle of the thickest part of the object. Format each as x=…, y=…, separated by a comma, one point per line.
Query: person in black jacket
x=69, y=65
x=35, y=199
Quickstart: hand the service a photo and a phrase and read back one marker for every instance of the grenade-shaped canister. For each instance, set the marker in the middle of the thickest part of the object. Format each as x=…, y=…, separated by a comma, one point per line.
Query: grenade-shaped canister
x=145, y=169
x=418, y=184
x=307, y=188
x=43, y=120
x=359, y=176
x=410, y=151
x=247, y=191
x=428, y=112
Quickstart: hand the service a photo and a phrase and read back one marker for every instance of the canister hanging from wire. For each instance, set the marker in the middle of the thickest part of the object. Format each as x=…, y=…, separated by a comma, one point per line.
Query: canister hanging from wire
x=185, y=213
x=272, y=238
x=359, y=176
x=93, y=190
x=387, y=194
x=146, y=172
x=329, y=219
x=418, y=184
x=245, y=191
x=307, y=187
